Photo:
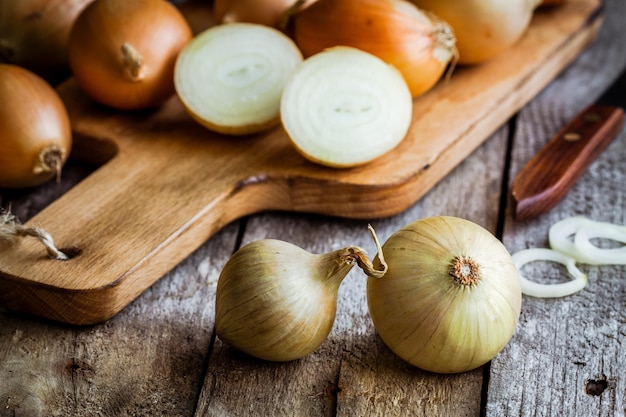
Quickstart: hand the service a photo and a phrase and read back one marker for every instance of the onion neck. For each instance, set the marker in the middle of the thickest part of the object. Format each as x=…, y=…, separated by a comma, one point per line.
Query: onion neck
x=50, y=160
x=132, y=62
x=465, y=271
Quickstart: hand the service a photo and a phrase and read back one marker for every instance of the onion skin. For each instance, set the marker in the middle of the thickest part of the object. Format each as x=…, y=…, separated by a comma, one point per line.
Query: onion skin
x=483, y=28
x=265, y=12
x=34, y=35
x=35, y=132
x=109, y=35
x=276, y=301
x=419, y=45
x=434, y=319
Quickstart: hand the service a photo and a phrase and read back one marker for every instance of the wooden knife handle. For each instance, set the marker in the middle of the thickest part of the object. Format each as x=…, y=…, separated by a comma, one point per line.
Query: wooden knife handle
x=549, y=175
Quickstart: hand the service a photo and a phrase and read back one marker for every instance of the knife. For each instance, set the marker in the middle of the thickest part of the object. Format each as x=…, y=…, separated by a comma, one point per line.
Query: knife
x=549, y=175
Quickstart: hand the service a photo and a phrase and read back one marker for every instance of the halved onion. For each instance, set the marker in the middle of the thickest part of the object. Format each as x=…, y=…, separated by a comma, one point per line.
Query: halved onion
x=230, y=77
x=345, y=107
x=535, y=289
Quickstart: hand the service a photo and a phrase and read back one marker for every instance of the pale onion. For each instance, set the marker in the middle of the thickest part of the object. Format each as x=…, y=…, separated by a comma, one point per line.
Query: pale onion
x=345, y=107
x=34, y=35
x=483, y=28
x=451, y=298
x=122, y=52
x=277, y=302
x=273, y=13
x=535, y=289
x=35, y=133
x=580, y=247
x=230, y=78
x=418, y=44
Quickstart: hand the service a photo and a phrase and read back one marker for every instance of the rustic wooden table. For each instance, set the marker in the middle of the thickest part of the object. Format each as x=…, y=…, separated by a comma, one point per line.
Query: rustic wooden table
x=160, y=355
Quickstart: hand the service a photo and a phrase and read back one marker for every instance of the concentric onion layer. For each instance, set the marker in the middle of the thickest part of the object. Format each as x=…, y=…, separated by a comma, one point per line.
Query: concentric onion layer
x=231, y=77
x=429, y=318
x=345, y=107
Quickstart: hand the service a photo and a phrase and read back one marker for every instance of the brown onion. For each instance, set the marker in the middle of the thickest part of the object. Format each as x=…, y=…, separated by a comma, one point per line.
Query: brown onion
x=122, y=52
x=34, y=33
x=264, y=12
x=35, y=133
x=418, y=44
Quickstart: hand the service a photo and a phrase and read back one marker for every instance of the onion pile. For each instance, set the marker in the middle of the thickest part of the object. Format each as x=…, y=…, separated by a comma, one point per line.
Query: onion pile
x=122, y=52
x=35, y=134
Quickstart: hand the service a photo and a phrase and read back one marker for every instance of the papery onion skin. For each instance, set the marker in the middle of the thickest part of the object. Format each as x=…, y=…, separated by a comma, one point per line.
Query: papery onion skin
x=34, y=35
x=419, y=45
x=35, y=132
x=109, y=37
x=276, y=301
x=265, y=12
x=429, y=317
x=483, y=28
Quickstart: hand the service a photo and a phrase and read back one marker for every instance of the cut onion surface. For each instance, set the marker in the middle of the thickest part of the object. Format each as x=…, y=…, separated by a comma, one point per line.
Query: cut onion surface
x=535, y=289
x=344, y=107
x=230, y=77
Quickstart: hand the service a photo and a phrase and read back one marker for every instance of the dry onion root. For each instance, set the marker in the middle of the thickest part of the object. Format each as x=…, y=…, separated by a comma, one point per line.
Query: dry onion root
x=417, y=43
x=345, y=107
x=230, y=78
x=35, y=133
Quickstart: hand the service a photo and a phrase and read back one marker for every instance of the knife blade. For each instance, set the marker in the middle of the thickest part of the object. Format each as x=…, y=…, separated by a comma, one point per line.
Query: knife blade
x=549, y=175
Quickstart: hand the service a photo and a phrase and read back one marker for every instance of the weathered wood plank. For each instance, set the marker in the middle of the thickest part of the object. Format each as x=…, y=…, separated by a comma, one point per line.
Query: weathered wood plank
x=563, y=345
x=148, y=360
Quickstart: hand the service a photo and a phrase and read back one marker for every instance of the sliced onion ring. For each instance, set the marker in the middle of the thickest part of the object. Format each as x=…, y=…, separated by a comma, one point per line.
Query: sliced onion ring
x=613, y=256
x=535, y=289
x=580, y=247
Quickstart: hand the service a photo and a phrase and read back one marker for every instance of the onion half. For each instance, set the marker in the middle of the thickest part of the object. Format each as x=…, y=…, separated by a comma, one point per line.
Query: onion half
x=345, y=107
x=230, y=78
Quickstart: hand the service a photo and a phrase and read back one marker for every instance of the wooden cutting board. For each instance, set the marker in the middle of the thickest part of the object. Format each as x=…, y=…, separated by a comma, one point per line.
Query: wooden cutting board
x=168, y=184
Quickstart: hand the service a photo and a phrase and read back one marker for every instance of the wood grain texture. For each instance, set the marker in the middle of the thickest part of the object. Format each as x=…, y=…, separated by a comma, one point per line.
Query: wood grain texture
x=169, y=184
x=158, y=356
x=550, y=174
x=563, y=345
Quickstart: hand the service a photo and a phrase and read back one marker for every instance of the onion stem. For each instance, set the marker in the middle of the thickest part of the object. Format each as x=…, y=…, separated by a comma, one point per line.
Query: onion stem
x=132, y=62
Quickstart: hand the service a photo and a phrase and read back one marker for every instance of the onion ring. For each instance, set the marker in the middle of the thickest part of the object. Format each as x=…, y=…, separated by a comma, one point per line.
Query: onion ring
x=535, y=289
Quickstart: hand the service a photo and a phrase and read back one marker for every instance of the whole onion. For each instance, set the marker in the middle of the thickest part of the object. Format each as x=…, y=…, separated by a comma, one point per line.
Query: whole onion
x=451, y=298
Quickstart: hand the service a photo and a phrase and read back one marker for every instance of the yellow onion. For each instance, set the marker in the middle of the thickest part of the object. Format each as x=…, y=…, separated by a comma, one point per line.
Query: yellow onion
x=122, y=52
x=277, y=302
x=483, y=29
x=35, y=133
x=34, y=35
x=451, y=298
x=418, y=44
x=265, y=12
